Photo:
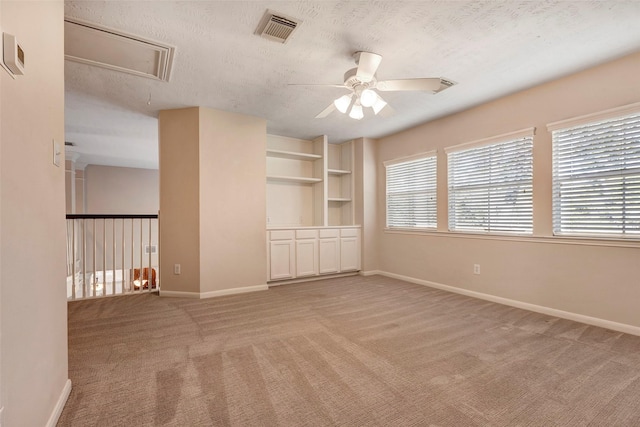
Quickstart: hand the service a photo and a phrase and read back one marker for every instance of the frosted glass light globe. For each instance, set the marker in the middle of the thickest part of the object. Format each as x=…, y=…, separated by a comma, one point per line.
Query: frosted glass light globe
x=342, y=103
x=356, y=112
x=368, y=98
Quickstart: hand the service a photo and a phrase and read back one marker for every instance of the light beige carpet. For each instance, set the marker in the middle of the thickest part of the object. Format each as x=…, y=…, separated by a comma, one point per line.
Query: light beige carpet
x=352, y=351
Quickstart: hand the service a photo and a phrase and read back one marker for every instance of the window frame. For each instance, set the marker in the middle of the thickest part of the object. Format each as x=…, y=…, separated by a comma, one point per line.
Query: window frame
x=581, y=124
x=492, y=227
x=432, y=189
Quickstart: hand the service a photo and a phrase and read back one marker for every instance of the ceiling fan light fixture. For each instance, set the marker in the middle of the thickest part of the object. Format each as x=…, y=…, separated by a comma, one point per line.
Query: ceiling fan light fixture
x=368, y=97
x=378, y=105
x=342, y=103
x=356, y=112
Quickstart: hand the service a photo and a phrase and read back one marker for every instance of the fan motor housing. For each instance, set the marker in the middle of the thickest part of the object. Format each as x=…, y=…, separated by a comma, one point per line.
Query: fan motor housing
x=352, y=81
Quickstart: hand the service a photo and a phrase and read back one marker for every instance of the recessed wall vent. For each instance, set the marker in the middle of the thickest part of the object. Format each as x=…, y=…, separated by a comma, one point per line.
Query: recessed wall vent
x=105, y=47
x=277, y=26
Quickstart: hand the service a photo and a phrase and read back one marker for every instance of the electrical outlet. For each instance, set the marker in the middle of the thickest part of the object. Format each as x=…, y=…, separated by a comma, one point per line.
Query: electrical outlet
x=176, y=268
x=476, y=268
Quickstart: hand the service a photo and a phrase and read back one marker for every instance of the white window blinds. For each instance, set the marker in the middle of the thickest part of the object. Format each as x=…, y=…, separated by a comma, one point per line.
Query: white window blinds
x=596, y=178
x=490, y=187
x=411, y=193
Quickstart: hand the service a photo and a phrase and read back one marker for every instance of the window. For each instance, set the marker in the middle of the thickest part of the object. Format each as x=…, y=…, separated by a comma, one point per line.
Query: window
x=596, y=177
x=411, y=192
x=490, y=185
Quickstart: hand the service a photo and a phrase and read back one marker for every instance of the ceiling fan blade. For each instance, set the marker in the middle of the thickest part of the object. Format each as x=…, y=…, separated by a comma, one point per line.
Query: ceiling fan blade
x=387, y=111
x=324, y=113
x=426, y=84
x=368, y=64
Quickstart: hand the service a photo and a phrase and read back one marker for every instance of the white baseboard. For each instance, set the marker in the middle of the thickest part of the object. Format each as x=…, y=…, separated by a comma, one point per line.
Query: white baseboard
x=234, y=291
x=62, y=400
x=371, y=273
x=211, y=294
x=179, y=294
x=595, y=321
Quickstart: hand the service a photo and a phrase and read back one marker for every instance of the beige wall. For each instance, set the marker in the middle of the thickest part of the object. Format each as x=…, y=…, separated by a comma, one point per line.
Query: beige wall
x=32, y=264
x=232, y=201
x=579, y=277
x=117, y=190
x=366, y=200
x=212, y=200
x=179, y=137
x=74, y=188
x=80, y=202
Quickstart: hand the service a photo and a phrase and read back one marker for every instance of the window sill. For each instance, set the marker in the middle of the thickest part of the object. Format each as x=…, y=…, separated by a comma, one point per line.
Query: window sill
x=558, y=240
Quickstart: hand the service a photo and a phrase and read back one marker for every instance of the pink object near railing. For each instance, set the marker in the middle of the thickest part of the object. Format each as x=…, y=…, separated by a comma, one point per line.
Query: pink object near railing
x=111, y=255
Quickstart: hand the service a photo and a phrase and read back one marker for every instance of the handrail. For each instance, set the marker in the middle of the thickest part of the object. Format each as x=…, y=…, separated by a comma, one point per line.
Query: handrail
x=111, y=254
x=112, y=216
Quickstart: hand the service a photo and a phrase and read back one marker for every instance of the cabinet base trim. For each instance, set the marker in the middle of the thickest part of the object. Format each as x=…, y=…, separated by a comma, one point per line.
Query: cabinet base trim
x=311, y=279
x=212, y=294
x=594, y=321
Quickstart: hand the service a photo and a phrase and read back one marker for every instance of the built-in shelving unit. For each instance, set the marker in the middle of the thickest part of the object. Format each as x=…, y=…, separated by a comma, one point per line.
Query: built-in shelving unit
x=340, y=184
x=296, y=178
x=300, y=179
x=338, y=171
x=310, y=209
x=292, y=155
x=309, y=182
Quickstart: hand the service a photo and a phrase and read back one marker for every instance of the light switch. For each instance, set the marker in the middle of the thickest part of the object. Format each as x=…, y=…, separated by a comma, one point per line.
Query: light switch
x=12, y=55
x=57, y=153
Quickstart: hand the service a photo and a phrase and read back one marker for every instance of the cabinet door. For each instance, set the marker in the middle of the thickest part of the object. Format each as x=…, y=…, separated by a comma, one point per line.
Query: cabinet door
x=306, y=257
x=329, y=256
x=349, y=254
x=282, y=260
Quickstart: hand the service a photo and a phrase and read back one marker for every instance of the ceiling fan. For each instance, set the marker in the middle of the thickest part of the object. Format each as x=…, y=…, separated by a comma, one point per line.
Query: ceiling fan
x=362, y=83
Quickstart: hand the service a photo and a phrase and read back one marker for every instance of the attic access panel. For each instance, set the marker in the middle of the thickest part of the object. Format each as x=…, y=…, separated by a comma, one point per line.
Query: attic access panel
x=100, y=46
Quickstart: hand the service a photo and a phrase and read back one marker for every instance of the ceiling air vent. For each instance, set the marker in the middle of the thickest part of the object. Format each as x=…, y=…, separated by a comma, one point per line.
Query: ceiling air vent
x=276, y=26
x=105, y=47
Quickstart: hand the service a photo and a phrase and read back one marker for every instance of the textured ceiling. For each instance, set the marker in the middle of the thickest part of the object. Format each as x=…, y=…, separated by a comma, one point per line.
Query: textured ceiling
x=491, y=48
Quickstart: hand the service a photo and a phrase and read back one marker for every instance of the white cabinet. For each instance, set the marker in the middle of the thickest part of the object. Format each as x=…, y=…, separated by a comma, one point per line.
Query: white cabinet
x=349, y=249
x=282, y=255
x=308, y=252
x=329, y=251
x=282, y=259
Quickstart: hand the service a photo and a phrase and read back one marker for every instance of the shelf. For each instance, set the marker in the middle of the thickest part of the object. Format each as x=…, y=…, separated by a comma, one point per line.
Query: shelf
x=293, y=155
x=338, y=199
x=299, y=179
x=338, y=172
